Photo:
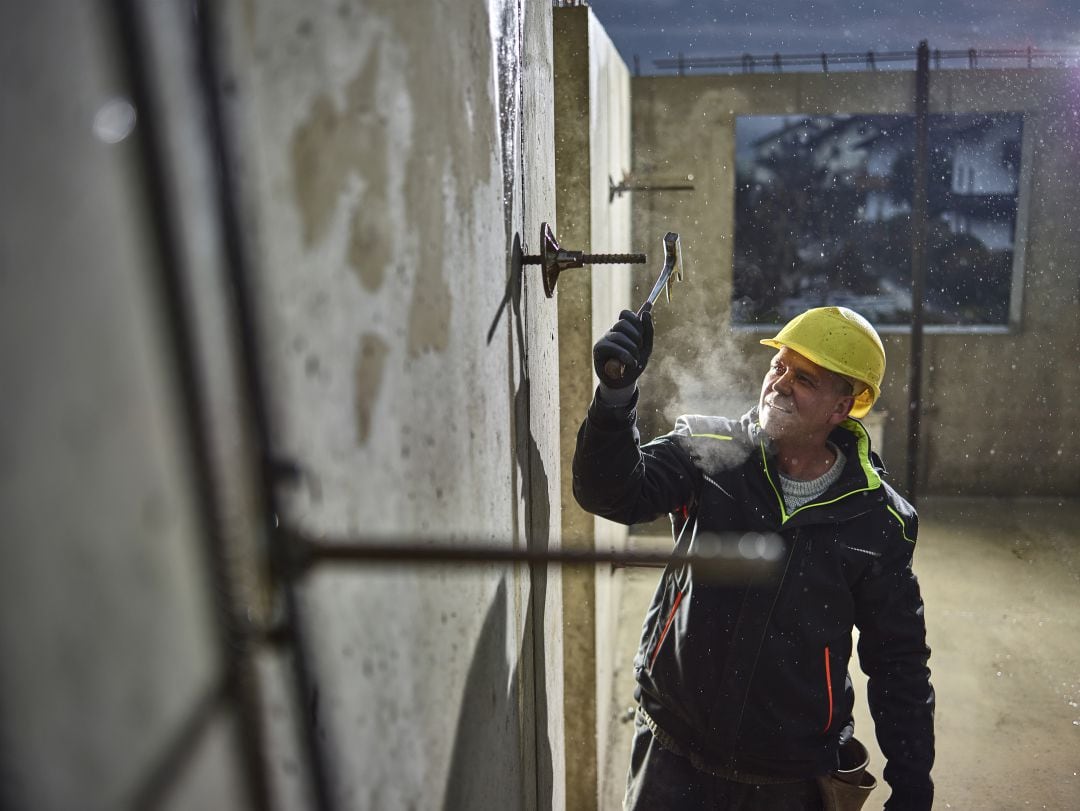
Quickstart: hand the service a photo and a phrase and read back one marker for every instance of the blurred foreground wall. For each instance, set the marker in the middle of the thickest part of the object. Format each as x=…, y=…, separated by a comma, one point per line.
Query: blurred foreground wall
x=114, y=656
x=258, y=274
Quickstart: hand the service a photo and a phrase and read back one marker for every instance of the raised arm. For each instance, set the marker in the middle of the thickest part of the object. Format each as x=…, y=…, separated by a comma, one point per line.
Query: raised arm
x=613, y=476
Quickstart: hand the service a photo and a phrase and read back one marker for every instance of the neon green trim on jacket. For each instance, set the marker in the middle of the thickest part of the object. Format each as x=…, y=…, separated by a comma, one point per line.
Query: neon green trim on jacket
x=873, y=481
x=903, y=526
x=709, y=436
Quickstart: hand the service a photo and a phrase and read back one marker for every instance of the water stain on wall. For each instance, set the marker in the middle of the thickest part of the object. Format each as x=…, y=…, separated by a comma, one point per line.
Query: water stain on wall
x=325, y=149
x=328, y=149
x=370, y=364
x=369, y=249
x=450, y=152
x=371, y=233
x=453, y=148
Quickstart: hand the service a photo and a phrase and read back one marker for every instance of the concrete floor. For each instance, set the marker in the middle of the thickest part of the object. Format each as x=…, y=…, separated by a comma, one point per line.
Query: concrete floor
x=1001, y=583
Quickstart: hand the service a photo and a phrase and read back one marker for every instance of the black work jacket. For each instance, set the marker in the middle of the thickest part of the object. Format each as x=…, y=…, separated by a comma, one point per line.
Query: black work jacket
x=752, y=675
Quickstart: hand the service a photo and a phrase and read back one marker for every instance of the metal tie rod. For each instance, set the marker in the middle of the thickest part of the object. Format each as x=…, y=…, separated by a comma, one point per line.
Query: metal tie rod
x=715, y=558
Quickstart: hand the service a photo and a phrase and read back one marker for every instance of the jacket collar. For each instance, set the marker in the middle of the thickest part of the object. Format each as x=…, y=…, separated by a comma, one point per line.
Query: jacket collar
x=861, y=475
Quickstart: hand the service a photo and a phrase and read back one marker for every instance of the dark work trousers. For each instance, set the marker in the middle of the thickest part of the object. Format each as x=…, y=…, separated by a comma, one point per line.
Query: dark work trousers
x=660, y=780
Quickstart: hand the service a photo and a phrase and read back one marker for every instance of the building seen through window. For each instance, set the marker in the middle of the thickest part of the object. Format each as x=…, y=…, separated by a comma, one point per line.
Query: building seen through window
x=823, y=215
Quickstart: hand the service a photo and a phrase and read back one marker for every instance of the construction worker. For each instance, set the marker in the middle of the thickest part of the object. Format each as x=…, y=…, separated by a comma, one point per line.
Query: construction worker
x=744, y=697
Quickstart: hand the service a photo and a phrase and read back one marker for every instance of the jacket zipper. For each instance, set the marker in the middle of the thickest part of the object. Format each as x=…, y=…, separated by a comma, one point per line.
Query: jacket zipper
x=663, y=633
x=753, y=667
x=828, y=688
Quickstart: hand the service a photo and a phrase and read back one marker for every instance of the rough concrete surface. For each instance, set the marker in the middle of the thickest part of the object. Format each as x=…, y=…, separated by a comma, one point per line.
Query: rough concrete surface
x=409, y=363
x=1001, y=580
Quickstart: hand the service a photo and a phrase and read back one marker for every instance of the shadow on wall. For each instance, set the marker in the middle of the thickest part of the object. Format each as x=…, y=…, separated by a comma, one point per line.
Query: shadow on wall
x=484, y=757
x=489, y=708
x=489, y=718
x=481, y=759
x=537, y=535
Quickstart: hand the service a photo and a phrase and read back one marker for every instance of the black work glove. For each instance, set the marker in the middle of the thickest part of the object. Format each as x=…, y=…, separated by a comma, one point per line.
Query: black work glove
x=620, y=356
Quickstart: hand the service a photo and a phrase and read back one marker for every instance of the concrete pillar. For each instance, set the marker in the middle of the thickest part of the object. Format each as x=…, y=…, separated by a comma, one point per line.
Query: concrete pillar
x=591, y=145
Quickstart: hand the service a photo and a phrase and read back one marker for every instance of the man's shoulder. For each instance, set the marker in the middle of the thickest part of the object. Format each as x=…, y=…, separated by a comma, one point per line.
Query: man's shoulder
x=713, y=443
x=723, y=429
x=898, y=514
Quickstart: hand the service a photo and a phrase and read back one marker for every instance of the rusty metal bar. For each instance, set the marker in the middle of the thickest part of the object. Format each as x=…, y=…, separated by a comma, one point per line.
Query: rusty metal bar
x=716, y=558
x=233, y=640
x=631, y=183
x=918, y=264
x=239, y=268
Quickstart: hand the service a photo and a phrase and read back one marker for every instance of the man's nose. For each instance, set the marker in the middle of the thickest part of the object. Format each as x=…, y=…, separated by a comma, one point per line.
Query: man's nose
x=782, y=384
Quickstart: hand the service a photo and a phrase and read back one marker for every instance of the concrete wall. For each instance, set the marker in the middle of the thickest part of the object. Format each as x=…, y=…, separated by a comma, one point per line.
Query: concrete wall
x=592, y=146
x=410, y=364
x=999, y=412
x=390, y=181
x=110, y=628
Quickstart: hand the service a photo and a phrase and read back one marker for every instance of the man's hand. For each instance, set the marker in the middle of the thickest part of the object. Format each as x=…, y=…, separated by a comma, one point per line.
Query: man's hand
x=628, y=343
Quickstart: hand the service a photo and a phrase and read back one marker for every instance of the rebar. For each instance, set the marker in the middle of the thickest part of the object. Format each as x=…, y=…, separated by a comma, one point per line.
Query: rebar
x=576, y=256
x=715, y=558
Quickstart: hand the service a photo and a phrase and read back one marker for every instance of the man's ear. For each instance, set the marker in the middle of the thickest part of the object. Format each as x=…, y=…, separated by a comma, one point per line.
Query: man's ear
x=842, y=409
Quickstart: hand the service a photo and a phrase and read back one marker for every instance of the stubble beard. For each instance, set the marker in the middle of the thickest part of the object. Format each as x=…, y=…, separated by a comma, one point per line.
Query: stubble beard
x=776, y=420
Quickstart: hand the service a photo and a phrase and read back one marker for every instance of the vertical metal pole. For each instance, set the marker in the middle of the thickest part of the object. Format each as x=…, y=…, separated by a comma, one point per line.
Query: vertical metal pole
x=240, y=274
x=235, y=641
x=918, y=262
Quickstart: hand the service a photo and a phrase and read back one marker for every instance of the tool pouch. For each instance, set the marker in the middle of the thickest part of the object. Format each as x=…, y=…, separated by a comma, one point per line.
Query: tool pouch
x=847, y=788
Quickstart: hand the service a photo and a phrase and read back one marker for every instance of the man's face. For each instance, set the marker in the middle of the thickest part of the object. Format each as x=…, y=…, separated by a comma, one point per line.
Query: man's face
x=800, y=400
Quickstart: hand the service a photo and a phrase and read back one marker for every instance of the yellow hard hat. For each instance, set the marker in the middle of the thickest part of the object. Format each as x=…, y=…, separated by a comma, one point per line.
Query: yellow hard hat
x=842, y=341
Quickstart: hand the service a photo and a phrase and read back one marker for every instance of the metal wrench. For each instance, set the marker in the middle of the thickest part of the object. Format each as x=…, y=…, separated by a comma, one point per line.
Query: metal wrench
x=672, y=266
